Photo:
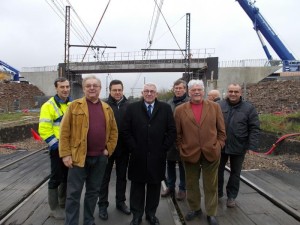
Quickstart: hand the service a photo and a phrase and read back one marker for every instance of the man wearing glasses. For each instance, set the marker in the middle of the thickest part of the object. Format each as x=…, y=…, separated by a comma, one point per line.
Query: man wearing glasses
x=242, y=129
x=149, y=131
x=89, y=136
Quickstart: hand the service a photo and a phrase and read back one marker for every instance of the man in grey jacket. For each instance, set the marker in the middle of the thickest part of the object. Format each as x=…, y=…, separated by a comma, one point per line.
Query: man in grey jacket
x=180, y=96
x=242, y=130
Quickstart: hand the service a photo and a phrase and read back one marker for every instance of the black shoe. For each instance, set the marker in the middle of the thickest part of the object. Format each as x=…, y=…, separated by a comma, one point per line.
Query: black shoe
x=135, y=221
x=193, y=214
x=103, y=213
x=123, y=208
x=153, y=220
x=212, y=220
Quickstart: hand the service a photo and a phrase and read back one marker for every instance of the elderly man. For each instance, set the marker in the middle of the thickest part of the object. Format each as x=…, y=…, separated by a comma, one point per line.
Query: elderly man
x=89, y=136
x=214, y=95
x=149, y=131
x=200, y=137
x=242, y=128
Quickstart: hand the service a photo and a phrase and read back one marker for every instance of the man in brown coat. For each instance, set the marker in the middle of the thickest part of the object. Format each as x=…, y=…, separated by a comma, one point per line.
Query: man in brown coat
x=200, y=137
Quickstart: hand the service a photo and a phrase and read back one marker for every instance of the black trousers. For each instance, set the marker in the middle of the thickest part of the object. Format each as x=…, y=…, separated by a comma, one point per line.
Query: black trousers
x=139, y=192
x=121, y=162
x=59, y=172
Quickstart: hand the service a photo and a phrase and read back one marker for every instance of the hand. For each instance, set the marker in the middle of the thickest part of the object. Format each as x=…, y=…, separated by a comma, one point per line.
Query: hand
x=68, y=161
x=105, y=152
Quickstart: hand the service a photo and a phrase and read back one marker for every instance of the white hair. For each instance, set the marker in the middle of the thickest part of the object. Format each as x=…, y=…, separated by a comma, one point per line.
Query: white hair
x=150, y=84
x=195, y=82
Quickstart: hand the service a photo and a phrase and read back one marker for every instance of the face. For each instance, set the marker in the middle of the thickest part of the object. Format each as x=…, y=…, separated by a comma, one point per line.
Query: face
x=196, y=93
x=179, y=90
x=234, y=93
x=91, y=89
x=149, y=93
x=116, y=91
x=210, y=97
x=63, y=90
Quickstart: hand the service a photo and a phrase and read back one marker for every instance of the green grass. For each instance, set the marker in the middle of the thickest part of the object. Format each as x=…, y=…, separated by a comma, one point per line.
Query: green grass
x=5, y=117
x=280, y=124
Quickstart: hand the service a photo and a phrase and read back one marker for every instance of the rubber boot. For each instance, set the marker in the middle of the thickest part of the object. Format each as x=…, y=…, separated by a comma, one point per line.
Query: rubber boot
x=56, y=211
x=62, y=192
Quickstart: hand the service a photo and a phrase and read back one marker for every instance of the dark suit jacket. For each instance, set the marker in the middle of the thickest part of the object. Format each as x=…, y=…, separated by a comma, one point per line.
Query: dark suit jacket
x=148, y=140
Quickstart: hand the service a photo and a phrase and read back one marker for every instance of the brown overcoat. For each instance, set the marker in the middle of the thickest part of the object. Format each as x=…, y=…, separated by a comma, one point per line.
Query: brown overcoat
x=207, y=137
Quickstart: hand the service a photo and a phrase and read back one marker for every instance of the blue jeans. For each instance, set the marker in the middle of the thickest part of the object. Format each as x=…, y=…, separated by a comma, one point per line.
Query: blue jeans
x=171, y=180
x=233, y=185
x=91, y=175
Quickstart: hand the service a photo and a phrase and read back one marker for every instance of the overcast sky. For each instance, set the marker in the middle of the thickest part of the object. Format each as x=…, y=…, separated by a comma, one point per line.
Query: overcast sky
x=32, y=34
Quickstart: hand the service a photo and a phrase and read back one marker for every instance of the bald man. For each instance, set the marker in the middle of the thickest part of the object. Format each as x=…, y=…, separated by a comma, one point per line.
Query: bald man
x=214, y=95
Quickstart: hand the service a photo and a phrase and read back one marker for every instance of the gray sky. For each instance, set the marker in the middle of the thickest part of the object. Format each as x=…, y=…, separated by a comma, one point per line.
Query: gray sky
x=32, y=34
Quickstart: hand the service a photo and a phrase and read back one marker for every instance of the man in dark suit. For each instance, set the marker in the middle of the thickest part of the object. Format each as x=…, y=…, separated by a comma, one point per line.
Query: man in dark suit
x=149, y=131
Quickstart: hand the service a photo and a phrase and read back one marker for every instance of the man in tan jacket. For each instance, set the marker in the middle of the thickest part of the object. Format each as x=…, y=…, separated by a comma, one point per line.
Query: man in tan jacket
x=89, y=136
x=200, y=137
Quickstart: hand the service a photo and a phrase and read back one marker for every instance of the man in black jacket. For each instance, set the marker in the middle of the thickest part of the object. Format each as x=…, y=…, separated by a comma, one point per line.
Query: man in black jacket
x=149, y=131
x=242, y=130
x=120, y=157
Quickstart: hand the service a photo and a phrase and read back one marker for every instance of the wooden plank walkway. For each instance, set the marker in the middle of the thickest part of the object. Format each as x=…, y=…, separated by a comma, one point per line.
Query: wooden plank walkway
x=252, y=208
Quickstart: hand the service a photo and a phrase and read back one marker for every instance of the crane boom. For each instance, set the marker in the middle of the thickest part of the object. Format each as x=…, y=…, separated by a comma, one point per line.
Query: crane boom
x=261, y=26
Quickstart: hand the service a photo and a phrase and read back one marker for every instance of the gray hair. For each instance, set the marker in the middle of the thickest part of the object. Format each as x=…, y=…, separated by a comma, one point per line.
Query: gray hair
x=90, y=77
x=195, y=82
x=150, y=84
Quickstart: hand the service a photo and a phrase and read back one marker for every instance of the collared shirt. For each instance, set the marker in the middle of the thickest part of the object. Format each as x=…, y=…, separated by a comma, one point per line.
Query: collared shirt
x=151, y=105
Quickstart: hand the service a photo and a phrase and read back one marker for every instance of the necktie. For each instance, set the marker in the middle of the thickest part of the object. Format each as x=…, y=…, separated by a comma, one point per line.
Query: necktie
x=149, y=110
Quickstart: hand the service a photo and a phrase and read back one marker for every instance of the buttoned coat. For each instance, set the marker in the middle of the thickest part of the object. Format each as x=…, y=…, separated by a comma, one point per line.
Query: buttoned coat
x=148, y=140
x=206, y=137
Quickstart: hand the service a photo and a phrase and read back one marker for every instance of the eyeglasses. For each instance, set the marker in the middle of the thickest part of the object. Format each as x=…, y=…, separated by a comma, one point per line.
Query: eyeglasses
x=235, y=92
x=149, y=92
x=196, y=89
x=88, y=86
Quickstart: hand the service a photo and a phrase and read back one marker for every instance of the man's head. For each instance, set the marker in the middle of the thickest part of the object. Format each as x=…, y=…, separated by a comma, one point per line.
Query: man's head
x=196, y=91
x=179, y=88
x=234, y=93
x=116, y=89
x=91, y=88
x=213, y=94
x=62, y=86
x=149, y=93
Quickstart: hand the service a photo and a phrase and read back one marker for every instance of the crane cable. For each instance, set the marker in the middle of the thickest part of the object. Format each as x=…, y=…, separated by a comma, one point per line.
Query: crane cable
x=96, y=29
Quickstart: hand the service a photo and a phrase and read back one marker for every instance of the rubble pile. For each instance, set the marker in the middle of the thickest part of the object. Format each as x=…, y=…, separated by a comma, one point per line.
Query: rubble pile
x=275, y=96
x=18, y=96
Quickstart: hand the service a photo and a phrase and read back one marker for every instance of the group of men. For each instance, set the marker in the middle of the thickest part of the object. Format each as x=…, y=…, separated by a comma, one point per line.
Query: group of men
x=88, y=136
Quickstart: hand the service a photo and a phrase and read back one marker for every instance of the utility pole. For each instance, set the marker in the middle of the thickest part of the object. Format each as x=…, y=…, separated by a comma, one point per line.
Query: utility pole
x=67, y=42
x=187, y=42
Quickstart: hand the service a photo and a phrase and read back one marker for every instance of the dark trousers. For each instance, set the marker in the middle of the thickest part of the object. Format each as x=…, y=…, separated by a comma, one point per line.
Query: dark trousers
x=233, y=185
x=121, y=163
x=91, y=175
x=141, y=191
x=59, y=172
x=171, y=170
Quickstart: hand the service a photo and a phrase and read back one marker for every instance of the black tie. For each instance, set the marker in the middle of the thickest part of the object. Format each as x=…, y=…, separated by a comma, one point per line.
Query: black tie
x=149, y=110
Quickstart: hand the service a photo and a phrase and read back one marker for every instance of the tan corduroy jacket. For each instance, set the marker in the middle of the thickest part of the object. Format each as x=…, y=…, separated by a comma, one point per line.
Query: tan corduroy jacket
x=74, y=128
x=207, y=137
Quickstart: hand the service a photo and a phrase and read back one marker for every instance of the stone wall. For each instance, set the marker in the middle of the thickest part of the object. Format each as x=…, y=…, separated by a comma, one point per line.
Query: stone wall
x=17, y=133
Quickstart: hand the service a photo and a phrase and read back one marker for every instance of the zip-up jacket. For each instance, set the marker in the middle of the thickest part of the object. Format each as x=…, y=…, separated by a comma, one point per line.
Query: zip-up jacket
x=51, y=115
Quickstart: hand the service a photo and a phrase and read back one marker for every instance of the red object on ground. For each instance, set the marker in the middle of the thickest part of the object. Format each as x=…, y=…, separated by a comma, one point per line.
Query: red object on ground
x=280, y=140
x=35, y=135
x=8, y=146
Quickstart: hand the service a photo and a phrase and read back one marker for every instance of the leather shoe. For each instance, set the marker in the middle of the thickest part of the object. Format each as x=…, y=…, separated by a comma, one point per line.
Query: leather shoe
x=181, y=195
x=153, y=220
x=135, y=221
x=193, y=214
x=103, y=215
x=123, y=208
x=167, y=192
x=212, y=220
